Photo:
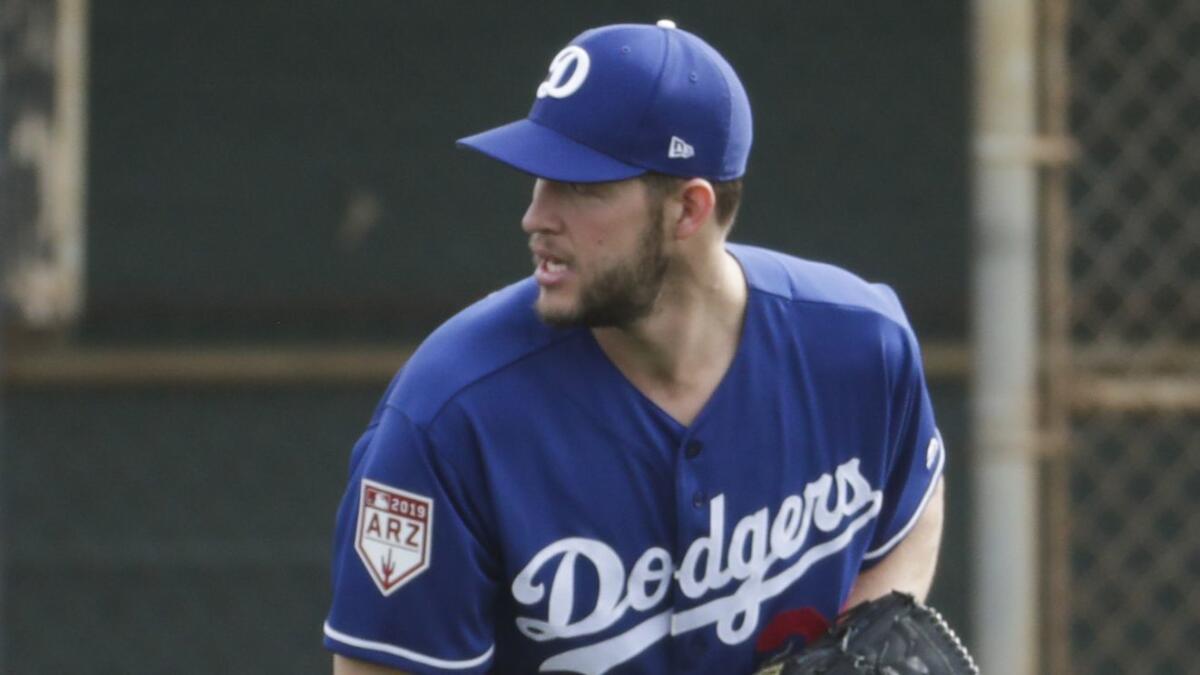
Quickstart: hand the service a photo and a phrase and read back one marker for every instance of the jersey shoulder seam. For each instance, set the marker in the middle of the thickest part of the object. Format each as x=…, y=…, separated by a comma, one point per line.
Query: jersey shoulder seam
x=777, y=262
x=484, y=376
x=837, y=305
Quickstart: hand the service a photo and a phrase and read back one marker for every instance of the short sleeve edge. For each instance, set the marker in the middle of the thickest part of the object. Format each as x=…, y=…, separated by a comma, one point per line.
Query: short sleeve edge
x=890, y=544
x=335, y=637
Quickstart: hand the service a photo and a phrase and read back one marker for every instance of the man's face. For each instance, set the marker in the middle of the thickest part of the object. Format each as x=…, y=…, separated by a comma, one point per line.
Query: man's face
x=598, y=251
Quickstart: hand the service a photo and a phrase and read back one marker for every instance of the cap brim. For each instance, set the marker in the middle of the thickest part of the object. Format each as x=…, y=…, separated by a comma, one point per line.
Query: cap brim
x=539, y=151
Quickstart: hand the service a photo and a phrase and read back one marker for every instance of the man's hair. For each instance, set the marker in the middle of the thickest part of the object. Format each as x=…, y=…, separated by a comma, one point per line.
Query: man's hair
x=728, y=193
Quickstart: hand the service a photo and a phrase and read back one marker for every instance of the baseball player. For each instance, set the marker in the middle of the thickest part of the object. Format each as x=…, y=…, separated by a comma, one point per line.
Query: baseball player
x=662, y=452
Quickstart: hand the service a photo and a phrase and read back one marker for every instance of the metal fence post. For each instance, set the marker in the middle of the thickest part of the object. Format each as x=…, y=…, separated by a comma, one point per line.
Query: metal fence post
x=1005, y=335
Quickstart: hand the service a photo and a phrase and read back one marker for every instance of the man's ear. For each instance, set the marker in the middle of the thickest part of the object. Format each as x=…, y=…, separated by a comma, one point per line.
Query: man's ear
x=698, y=199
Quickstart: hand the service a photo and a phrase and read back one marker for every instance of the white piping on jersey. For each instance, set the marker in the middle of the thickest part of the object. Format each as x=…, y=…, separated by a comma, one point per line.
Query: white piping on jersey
x=936, y=449
x=826, y=503
x=407, y=653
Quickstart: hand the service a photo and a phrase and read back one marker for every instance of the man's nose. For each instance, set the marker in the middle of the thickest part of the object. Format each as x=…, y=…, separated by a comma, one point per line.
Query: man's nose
x=540, y=216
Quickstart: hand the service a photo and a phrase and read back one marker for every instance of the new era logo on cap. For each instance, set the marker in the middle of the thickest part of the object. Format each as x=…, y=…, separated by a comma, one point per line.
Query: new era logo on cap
x=680, y=149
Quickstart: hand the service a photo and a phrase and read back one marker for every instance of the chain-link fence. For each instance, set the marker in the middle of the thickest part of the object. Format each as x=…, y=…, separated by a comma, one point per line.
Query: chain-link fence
x=1132, y=330
x=1136, y=193
x=1136, y=565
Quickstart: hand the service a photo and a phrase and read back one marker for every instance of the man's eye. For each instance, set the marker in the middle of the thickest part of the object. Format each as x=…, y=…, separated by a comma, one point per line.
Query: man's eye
x=579, y=188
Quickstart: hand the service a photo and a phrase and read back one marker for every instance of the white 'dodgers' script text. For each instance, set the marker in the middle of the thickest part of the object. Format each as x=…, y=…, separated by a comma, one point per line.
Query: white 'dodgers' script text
x=757, y=543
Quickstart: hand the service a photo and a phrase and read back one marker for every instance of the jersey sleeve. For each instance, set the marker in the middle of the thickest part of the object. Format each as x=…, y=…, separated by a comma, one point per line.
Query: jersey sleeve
x=916, y=456
x=413, y=587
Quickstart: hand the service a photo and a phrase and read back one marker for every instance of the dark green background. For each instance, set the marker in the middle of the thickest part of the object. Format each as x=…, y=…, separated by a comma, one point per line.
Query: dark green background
x=229, y=138
x=158, y=530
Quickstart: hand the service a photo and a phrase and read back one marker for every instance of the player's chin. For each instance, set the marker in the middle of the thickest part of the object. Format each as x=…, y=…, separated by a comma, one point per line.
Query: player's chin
x=555, y=309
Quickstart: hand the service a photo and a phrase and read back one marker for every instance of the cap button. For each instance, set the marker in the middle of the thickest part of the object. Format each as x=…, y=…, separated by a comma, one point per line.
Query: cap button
x=665, y=23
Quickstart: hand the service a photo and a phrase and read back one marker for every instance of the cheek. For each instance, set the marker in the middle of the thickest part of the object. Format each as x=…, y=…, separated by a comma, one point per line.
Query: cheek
x=594, y=237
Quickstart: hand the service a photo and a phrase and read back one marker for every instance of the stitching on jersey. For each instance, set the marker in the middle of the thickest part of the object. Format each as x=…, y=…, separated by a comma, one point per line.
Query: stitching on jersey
x=836, y=305
x=450, y=398
x=824, y=303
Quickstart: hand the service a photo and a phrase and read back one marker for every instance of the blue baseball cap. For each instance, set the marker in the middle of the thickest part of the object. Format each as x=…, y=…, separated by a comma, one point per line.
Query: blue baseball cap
x=626, y=99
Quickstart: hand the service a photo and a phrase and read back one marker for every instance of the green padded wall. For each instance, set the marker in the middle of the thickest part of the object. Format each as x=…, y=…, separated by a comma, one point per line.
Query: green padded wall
x=281, y=169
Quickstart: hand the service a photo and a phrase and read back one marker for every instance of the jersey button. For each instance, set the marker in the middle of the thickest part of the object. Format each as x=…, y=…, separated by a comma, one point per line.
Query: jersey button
x=692, y=449
x=699, y=499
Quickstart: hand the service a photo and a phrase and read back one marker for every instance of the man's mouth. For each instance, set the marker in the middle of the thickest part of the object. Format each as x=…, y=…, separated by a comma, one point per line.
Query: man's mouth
x=550, y=271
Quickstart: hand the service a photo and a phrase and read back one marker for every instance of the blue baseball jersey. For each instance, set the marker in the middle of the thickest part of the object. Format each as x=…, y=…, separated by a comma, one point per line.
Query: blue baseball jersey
x=516, y=505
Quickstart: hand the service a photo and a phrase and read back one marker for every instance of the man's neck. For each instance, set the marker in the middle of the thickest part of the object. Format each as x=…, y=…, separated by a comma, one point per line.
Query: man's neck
x=678, y=354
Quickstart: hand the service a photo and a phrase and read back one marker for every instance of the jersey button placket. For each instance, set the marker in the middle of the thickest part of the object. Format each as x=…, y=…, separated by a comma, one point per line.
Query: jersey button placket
x=693, y=488
x=691, y=450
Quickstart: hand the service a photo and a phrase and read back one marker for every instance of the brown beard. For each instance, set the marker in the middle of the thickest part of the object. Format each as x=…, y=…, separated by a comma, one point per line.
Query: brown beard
x=624, y=293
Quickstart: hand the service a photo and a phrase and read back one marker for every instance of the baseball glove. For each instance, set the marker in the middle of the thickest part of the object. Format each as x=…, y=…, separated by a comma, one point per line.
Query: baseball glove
x=894, y=635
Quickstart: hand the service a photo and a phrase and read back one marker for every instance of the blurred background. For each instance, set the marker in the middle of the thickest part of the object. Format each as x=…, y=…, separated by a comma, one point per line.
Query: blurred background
x=223, y=226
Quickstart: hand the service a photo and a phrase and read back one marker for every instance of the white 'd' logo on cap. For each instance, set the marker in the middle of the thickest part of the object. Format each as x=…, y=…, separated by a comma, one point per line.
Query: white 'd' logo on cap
x=554, y=86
